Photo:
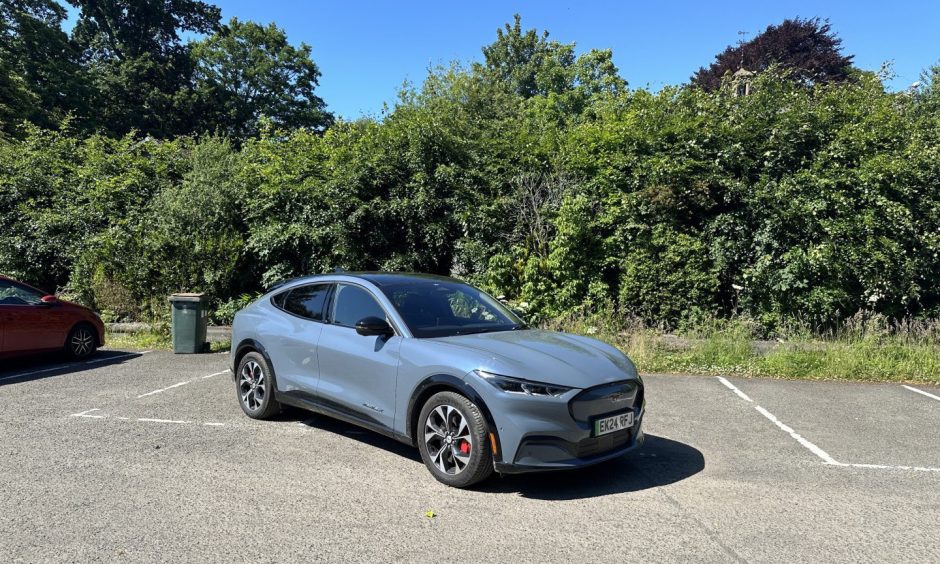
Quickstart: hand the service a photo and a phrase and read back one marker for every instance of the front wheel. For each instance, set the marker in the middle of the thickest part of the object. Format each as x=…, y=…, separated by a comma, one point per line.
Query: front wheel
x=81, y=342
x=452, y=438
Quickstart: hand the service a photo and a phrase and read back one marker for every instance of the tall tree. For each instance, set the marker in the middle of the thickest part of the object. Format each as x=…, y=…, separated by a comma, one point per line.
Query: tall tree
x=142, y=72
x=40, y=78
x=532, y=65
x=808, y=48
x=246, y=71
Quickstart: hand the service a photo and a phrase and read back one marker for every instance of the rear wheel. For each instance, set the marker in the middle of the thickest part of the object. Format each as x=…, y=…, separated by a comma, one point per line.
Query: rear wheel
x=81, y=342
x=254, y=385
x=453, y=440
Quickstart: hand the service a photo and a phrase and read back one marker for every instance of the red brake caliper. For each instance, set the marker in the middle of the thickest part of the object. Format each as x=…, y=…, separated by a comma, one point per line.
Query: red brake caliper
x=464, y=447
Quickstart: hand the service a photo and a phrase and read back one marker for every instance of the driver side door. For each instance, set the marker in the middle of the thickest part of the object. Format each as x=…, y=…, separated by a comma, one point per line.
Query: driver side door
x=27, y=323
x=358, y=374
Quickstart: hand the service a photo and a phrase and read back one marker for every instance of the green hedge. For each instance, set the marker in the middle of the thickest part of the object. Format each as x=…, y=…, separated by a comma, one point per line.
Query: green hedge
x=793, y=204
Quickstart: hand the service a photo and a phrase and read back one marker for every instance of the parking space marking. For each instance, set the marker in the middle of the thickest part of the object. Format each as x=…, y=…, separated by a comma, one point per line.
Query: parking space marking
x=921, y=392
x=820, y=453
x=86, y=414
x=799, y=438
x=178, y=384
x=71, y=365
x=150, y=420
x=886, y=467
x=734, y=389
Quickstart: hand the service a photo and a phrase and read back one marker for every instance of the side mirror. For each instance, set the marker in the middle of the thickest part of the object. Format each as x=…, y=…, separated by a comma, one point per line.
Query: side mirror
x=49, y=300
x=372, y=325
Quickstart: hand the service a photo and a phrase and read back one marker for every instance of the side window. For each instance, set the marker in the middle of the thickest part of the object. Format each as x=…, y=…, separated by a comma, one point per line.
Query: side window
x=352, y=304
x=10, y=294
x=306, y=301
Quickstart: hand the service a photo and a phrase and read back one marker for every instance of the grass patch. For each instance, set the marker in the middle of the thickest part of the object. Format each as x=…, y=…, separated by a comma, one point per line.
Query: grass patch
x=729, y=348
x=139, y=340
x=154, y=339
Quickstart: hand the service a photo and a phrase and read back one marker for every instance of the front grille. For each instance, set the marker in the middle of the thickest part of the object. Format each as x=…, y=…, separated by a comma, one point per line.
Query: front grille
x=602, y=444
x=604, y=399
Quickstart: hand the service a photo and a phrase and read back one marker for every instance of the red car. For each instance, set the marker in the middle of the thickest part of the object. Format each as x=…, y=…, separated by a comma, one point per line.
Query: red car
x=32, y=321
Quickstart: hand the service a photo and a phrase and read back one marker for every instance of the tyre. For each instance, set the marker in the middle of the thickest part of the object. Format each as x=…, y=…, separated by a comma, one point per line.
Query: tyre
x=81, y=342
x=254, y=385
x=453, y=440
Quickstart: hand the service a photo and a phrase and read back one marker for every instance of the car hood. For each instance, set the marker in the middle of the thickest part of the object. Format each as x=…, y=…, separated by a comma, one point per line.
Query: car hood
x=547, y=356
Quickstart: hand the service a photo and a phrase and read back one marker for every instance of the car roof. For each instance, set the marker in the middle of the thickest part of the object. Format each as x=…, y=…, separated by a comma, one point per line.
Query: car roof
x=375, y=277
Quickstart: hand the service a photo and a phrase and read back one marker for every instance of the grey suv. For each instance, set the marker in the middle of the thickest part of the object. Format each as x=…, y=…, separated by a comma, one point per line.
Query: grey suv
x=438, y=364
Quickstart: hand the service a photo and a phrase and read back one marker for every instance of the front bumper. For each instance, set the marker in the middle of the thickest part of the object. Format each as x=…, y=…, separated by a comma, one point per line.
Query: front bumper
x=538, y=454
x=556, y=433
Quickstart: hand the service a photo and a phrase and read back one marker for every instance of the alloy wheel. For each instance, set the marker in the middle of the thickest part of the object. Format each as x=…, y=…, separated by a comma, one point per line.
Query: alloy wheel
x=82, y=342
x=252, y=385
x=448, y=439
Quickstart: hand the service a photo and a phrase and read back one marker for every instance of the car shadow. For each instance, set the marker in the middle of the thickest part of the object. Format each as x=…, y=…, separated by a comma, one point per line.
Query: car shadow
x=25, y=369
x=659, y=462
x=371, y=438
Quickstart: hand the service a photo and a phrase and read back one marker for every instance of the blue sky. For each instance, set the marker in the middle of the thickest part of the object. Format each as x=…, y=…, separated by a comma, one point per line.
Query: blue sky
x=366, y=49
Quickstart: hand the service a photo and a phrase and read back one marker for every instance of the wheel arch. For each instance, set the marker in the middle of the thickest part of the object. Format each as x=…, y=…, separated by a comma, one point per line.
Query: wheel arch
x=251, y=345
x=446, y=383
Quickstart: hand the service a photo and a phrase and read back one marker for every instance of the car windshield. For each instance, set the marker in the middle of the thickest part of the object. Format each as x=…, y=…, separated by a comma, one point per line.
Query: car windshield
x=12, y=294
x=440, y=308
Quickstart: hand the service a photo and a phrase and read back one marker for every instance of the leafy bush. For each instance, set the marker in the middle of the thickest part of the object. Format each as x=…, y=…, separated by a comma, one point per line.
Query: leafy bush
x=793, y=206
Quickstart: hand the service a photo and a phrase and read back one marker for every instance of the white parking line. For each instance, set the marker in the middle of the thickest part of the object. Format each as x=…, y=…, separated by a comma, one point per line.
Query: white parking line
x=885, y=467
x=812, y=448
x=178, y=384
x=820, y=453
x=71, y=365
x=149, y=420
x=86, y=414
x=734, y=389
x=921, y=392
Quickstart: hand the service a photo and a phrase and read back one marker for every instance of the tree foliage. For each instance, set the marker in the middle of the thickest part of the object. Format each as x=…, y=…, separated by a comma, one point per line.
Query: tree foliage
x=808, y=48
x=40, y=76
x=246, y=71
x=160, y=68
x=529, y=64
x=140, y=69
x=792, y=204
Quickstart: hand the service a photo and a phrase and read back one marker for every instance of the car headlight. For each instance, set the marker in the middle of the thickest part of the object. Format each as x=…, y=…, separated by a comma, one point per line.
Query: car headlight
x=520, y=386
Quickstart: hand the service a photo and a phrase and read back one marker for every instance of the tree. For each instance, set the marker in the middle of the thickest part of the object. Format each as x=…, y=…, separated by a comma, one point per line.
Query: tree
x=531, y=65
x=141, y=71
x=40, y=78
x=807, y=48
x=246, y=71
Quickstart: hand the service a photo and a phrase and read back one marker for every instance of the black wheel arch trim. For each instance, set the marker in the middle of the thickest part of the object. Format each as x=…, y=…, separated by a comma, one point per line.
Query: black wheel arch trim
x=459, y=385
x=246, y=346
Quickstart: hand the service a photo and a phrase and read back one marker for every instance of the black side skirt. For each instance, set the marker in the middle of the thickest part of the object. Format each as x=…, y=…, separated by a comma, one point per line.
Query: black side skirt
x=316, y=404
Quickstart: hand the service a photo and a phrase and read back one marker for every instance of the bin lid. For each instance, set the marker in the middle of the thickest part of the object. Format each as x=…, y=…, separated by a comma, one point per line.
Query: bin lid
x=186, y=297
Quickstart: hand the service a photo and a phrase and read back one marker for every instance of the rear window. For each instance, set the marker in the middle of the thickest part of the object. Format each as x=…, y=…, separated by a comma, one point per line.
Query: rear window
x=304, y=301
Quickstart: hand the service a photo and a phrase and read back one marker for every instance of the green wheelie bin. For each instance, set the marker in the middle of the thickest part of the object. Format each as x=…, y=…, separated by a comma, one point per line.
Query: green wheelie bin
x=190, y=317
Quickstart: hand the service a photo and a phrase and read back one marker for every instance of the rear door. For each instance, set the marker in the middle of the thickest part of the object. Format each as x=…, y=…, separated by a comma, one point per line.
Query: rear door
x=358, y=374
x=296, y=346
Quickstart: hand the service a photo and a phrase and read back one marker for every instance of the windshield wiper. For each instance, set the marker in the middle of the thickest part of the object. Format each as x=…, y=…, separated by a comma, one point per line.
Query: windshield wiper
x=488, y=330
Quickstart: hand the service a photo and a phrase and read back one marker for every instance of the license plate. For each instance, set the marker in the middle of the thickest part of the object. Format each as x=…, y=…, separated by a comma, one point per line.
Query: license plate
x=613, y=423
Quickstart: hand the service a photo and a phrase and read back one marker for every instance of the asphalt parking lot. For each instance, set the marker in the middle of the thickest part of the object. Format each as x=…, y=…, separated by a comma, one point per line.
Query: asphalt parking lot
x=147, y=457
